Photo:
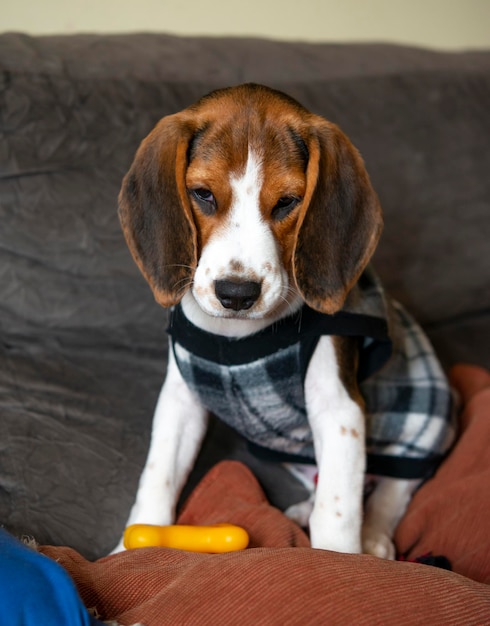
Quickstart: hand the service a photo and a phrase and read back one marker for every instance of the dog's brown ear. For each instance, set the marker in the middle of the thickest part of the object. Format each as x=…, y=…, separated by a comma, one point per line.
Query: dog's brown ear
x=155, y=213
x=340, y=223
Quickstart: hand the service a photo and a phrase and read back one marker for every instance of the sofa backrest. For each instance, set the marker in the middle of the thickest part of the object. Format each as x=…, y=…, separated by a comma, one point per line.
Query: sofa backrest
x=74, y=109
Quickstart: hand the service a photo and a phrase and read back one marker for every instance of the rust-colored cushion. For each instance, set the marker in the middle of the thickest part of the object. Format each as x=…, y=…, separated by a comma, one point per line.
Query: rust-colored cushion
x=281, y=581
x=450, y=514
x=272, y=587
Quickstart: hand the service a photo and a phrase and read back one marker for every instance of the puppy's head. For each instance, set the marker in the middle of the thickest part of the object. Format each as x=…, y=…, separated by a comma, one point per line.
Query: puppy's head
x=249, y=201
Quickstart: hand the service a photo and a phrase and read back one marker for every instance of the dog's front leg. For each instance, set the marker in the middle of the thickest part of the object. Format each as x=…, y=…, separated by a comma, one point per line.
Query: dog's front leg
x=179, y=426
x=338, y=425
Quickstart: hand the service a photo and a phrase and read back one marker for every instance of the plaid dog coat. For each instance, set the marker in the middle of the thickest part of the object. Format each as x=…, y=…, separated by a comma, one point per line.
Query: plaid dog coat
x=256, y=384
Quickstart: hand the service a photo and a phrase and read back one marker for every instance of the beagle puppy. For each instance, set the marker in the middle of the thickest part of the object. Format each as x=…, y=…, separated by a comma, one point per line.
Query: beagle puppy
x=255, y=220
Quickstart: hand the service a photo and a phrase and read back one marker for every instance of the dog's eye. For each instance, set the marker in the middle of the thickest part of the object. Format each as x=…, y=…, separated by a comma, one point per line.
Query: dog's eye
x=284, y=207
x=205, y=199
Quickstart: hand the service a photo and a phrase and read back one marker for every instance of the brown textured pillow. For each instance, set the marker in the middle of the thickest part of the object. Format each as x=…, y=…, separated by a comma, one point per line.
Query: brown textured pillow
x=272, y=586
x=278, y=581
x=450, y=514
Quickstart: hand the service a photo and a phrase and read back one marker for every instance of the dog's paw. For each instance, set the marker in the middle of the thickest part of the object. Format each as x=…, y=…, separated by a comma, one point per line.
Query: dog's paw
x=345, y=545
x=377, y=543
x=343, y=541
x=300, y=513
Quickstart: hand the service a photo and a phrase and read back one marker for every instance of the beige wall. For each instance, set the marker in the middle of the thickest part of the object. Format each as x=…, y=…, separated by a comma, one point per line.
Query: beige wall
x=435, y=23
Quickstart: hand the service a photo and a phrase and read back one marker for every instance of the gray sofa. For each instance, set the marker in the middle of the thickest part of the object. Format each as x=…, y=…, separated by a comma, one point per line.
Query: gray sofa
x=83, y=344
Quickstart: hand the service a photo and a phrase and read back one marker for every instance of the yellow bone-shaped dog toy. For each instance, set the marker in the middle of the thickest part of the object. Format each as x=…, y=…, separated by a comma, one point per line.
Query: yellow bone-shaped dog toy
x=214, y=539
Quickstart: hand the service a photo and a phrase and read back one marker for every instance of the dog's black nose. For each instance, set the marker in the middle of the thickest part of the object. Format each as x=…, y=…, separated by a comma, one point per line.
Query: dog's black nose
x=237, y=294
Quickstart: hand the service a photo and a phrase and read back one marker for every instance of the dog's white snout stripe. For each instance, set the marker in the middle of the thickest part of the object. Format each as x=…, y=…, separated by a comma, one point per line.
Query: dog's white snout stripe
x=243, y=250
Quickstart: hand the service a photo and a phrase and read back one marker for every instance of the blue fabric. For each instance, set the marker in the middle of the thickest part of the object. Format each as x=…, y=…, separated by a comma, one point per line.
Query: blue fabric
x=36, y=591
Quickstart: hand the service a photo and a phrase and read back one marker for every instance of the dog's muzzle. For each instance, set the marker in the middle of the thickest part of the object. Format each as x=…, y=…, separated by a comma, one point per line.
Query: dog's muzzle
x=237, y=295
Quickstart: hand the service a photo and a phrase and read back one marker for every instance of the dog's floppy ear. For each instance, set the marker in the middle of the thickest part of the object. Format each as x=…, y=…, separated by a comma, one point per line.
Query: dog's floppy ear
x=340, y=223
x=155, y=213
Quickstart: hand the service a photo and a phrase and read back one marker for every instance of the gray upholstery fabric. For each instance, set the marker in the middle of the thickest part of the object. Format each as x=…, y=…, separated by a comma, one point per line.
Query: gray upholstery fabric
x=82, y=343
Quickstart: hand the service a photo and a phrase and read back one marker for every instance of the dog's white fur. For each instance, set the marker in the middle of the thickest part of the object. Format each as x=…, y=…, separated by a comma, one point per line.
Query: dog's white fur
x=337, y=421
x=244, y=237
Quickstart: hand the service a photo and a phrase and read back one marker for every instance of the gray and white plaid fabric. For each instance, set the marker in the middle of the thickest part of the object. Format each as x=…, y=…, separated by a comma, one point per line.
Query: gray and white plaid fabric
x=255, y=384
